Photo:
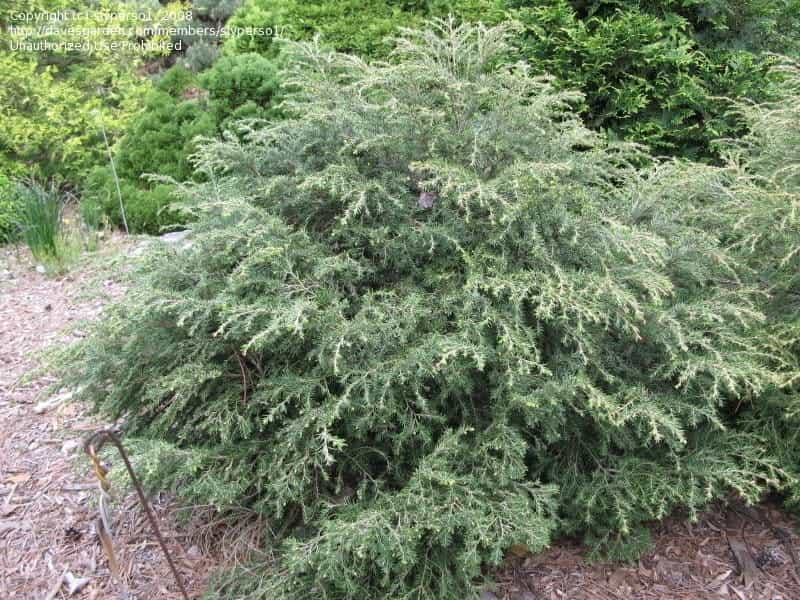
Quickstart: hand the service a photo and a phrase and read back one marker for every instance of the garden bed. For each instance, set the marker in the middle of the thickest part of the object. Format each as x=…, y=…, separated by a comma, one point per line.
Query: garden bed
x=47, y=494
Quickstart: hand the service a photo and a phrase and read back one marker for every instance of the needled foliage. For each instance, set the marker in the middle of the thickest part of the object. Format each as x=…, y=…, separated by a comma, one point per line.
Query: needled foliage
x=147, y=207
x=355, y=25
x=762, y=206
x=658, y=72
x=753, y=200
x=244, y=86
x=201, y=50
x=159, y=140
x=10, y=208
x=50, y=96
x=162, y=137
x=428, y=316
x=360, y=27
x=241, y=85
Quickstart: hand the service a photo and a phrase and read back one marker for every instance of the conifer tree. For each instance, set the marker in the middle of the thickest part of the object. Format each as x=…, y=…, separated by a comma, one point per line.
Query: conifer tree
x=427, y=317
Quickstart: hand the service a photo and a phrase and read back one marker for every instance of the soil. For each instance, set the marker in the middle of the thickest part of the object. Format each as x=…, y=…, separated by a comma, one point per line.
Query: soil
x=48, y=494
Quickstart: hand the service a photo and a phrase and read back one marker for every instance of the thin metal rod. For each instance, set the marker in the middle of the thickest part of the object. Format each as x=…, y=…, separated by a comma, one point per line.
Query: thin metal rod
x=105, y=435
x=116, y=179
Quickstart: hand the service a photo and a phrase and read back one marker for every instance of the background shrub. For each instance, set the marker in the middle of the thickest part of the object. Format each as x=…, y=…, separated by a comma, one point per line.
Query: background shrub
x=356, y=26
x=200, y=56
x=146, y=206
x=162, y=138
x=50, y=99
x=655, y=72
x=360, y=27
x=176, y=81
x=241, y=86
x=9, y=210
x=217, y=11
x=430, y=315
x=200, y=50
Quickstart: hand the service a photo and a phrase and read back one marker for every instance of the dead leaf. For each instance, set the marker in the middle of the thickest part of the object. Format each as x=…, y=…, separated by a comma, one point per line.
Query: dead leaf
x=426, y=199
x=69, y=446
x=108, y=545
x=722, y=576
x=74, y=584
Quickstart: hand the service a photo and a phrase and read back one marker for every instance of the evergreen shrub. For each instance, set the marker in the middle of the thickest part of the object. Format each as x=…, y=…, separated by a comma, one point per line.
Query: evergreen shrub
x=163, y=136
x=217, y=11
x=51, y=98
x=200, y=56
x=147, y=207
x=160, y=139
x=9, y=210
x=241, y=86
x=429, y=316
x=176, y=80
x=361, y=27
x=200, y=48
x=659, y=72
x=760, y=209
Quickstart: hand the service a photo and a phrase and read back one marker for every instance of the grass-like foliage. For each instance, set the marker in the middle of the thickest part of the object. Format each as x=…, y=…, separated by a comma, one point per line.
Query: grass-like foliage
x=428, y=316
x=40, y=217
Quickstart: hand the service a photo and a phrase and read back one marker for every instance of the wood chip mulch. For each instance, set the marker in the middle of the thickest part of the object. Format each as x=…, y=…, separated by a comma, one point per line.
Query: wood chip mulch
x=49, y=548
x=732, y=551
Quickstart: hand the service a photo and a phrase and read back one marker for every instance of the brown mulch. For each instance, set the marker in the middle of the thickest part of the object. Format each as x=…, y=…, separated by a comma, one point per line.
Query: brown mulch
x=48, y=496
x=690, y=561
